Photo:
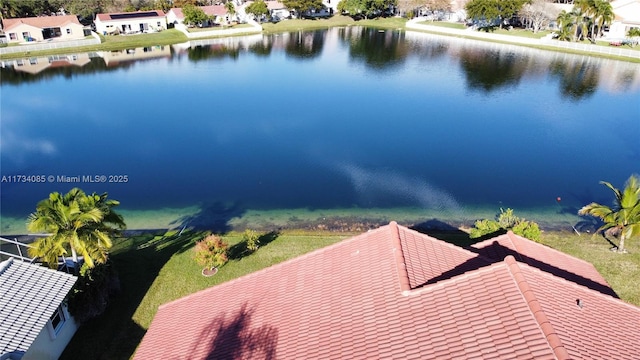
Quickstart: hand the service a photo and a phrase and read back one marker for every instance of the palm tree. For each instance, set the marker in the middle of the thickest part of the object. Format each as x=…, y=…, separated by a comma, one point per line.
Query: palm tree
x=76, y=222
x=624, y=216
x=565, y=23
x=604, y=15
x=231, y=10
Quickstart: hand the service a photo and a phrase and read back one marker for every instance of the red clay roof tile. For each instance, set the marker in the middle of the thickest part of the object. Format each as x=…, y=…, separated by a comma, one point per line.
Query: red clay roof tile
x=544, y=258
x=333, y=304
x=42, y=22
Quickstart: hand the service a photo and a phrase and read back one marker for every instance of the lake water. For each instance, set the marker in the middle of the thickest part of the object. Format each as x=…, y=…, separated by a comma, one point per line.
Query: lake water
x=352, y=123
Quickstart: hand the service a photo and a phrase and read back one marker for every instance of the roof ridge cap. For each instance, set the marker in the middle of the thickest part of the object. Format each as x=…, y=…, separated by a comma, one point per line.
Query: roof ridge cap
x=534, y=306
x=549, y=248
x=401, y=265
x=5, y=265
x=511, y=236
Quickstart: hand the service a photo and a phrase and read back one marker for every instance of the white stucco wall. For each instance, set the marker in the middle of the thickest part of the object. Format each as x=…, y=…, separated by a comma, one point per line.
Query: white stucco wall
x=34, y=32
x=69, y=31
x=130, y=24
x=46, y=348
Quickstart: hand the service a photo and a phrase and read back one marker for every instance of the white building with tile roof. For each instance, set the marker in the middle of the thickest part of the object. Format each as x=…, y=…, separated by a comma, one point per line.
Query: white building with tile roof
x=34, y=322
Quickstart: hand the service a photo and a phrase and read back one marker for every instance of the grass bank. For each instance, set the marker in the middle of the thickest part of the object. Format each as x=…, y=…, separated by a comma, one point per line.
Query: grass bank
x=157, y=267
x=111, y=43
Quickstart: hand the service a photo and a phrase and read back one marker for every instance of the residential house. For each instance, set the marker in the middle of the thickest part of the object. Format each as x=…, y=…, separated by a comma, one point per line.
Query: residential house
x=34, y=321
x=277, y=10
x=218, y=13
x=395, y=293
x=66, y=27
x=131, y=22
x=627, y=16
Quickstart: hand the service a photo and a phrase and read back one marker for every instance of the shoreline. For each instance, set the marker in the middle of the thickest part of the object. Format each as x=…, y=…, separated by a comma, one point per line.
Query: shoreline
x=342, y=21
x=223, y=219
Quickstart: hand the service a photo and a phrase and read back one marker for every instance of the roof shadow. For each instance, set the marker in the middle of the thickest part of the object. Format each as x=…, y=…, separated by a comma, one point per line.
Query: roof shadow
x=497, y=252
x=467, y=266
x=214, y=217
x=240, y=250
x=233, y=337
x=443, y=231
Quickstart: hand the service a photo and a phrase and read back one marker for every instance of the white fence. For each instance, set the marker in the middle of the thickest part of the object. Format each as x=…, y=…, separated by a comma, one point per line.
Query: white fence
x=225, y=32
x=587, y=48
x=95, y=40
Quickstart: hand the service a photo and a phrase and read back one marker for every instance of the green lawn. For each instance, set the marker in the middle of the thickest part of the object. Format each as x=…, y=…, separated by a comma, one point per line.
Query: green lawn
x=622, y=271
x=300, y=24
x=113, y=42
x=157, y=268
x=445, y=24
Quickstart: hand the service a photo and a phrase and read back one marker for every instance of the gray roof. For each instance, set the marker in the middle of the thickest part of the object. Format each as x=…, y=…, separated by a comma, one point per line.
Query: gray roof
x=29, y=295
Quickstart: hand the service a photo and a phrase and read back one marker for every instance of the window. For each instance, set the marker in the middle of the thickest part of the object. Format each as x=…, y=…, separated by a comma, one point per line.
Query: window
x=26, y=35
x=13, y=36
x=56, y=322
x=159, y=24
x=68, y=31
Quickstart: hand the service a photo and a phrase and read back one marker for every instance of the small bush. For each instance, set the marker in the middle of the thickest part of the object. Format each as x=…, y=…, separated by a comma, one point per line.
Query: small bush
x=252, y=239
x=528, y=229
x=506, y=220
x=484, y=227
x=211, y=252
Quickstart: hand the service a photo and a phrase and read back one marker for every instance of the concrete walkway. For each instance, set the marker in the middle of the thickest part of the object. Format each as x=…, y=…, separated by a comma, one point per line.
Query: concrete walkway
x=414, y=24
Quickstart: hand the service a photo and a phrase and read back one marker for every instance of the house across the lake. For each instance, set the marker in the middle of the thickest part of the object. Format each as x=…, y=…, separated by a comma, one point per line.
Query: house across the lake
x=42, y=28
x=395, y=293
x=34, y=322
x=130, y=22
x=218, y=14
x=627, y=16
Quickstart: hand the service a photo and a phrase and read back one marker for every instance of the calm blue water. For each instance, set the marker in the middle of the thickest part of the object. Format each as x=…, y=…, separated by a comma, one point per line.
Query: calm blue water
x=330, y=119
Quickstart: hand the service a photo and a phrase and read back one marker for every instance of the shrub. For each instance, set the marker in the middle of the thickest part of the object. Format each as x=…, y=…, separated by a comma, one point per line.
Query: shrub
x=506, y=220
x=484, y=227
x=528, y=229
x=211, y=252
x=252, y=239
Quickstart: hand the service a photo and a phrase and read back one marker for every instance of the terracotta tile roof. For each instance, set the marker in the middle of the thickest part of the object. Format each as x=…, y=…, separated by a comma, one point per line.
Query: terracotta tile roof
x=544, y=258
x=219, y=10
x=429, y=260
x=587, y=322
x=275, y=5
x=366, y=298
x=42, y=22
x=29, y=295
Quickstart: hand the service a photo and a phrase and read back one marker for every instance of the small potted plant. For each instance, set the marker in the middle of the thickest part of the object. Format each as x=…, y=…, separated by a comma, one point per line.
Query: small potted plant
x=211, y=252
